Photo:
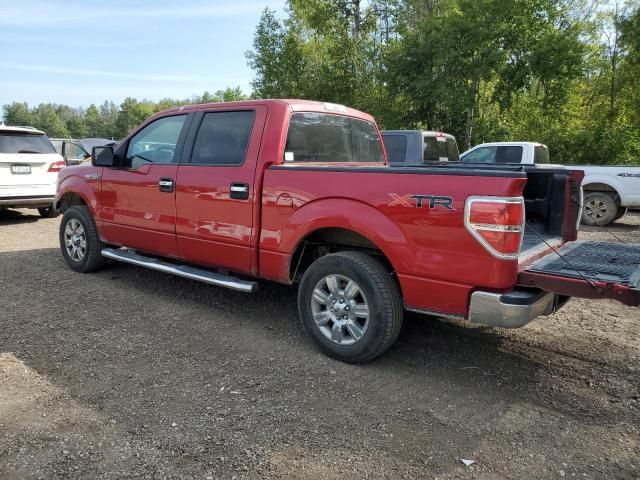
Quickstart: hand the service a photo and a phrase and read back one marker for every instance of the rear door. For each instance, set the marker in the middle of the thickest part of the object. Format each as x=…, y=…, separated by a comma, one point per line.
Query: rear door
x=217, y=190
x=588, y=270
x=138, y=196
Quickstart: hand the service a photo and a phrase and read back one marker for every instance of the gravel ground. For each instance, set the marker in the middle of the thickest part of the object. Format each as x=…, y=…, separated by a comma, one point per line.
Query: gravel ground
x=129, y=373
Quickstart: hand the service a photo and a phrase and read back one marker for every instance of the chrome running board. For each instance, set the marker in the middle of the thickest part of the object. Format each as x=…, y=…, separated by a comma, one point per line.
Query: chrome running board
x=186, y=271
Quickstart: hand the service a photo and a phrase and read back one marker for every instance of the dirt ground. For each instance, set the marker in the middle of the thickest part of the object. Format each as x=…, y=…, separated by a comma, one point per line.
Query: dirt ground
x=129, y=373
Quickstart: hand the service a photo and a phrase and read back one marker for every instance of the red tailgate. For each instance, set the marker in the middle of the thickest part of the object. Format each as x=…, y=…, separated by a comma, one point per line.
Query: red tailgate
x=588, y=270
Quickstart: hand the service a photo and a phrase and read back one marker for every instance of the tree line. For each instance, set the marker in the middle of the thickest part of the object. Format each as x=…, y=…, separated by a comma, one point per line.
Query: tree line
x=562, y=72
x=102, y=121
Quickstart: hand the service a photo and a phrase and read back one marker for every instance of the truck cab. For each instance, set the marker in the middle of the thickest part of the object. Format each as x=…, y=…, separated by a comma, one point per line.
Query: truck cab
x=419, y=147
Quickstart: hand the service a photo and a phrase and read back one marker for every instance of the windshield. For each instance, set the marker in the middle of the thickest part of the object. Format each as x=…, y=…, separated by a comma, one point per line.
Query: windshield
x=25, y=143
x=323, y=137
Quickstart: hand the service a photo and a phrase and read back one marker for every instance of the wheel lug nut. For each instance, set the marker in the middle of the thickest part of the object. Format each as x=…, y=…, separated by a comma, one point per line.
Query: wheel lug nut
x=347, y=308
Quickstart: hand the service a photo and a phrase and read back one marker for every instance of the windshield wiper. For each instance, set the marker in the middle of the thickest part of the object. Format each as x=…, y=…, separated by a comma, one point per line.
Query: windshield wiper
x=27, y=151
x=141, y=157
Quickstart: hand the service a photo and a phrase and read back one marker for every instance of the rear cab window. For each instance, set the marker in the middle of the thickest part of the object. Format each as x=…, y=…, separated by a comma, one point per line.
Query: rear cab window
x=223, y=138
x=331, y=138
x=541, y=155
x=18, y=142
x=396, y=146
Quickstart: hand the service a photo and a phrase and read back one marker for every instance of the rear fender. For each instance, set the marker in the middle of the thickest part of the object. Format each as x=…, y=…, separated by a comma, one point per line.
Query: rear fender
x=347, y=214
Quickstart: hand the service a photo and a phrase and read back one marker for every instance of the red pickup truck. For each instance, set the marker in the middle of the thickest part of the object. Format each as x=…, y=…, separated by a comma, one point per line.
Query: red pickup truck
x=299, y=192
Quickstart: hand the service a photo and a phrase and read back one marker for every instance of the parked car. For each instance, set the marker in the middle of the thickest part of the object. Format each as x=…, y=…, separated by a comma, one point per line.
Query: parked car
x=299, y=192
x=29, y=167
x=608, y=190
x=417, y=147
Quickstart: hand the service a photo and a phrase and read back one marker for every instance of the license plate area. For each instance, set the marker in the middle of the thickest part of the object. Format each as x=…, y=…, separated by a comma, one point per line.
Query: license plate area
x=588, y=270
x=18, y=169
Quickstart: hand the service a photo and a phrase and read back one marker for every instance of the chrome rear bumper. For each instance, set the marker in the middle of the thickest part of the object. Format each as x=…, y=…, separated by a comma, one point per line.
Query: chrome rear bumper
x=512, y=309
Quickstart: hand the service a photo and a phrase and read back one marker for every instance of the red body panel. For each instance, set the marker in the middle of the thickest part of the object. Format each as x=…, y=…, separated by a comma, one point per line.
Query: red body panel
x=135, y=212
x=428, y=247
x=74, y=180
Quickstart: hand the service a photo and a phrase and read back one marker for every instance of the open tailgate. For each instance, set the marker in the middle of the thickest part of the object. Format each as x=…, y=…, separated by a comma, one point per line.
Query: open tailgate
x=588, y=270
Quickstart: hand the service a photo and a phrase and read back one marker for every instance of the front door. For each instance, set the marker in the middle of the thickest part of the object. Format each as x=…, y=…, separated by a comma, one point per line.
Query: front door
x=216, y=198
x=138, y=196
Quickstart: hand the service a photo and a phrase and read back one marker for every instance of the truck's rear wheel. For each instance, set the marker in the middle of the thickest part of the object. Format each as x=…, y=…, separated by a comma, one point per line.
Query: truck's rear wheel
x=79, y=240
x=351, y=306
x=599, y=209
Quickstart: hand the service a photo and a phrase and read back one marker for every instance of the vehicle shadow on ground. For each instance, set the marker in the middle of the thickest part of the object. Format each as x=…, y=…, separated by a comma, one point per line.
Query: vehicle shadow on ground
x=11, y=217
x=123, y=307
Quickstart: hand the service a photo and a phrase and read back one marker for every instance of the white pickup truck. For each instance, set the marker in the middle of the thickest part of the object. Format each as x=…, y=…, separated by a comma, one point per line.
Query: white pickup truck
x=608, y=191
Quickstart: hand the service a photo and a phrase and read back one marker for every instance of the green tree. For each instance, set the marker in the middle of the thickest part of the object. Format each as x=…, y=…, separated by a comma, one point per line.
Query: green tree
x=17, y=114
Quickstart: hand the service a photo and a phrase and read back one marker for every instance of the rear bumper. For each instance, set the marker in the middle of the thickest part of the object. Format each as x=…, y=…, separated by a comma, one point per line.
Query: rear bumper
x=512, y=309
x=37, y=201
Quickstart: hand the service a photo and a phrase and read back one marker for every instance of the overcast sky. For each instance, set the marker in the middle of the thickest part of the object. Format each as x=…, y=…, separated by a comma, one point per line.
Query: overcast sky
x=82, y=52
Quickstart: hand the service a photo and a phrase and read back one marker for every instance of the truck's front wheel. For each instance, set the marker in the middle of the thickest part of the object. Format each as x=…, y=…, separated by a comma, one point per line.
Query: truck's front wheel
x=351, y=306
x=79, y=241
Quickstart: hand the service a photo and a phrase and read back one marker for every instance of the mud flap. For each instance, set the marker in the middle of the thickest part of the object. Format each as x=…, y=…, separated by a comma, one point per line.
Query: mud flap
x=588, y=270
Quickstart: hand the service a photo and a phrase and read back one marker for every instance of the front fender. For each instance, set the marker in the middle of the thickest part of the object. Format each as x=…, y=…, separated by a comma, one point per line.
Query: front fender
x=75, y=183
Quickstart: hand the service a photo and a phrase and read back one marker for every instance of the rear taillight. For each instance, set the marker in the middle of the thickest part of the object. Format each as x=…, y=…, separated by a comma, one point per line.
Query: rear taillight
x=56, y=166
x=497, y=223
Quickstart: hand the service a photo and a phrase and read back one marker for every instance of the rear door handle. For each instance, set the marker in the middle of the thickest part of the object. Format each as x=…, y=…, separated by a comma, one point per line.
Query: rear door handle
x=165, y=185
x=239, y=191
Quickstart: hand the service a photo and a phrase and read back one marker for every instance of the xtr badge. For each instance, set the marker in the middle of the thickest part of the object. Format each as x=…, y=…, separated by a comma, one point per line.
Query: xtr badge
x=411, y=200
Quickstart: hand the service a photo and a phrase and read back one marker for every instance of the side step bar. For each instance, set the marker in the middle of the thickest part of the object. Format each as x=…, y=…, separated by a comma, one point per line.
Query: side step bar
x=206, y=276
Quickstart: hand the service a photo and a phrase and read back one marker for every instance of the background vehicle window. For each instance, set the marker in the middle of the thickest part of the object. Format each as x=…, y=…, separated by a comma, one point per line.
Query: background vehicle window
x=481, y=155
x=25, y=143
x=452, y=150
x=156, y=143
x=396, y=146
x=433, y=149
x=541, y=155
x=223, y=138
x=323, y=137
x=509, y=154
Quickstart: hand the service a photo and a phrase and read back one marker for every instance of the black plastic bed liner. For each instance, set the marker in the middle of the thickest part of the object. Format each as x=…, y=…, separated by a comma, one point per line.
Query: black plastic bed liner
x=597, y=261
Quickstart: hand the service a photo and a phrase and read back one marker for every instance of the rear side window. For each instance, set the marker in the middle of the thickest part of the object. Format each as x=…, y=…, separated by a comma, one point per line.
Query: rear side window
x=509, y=154
x=223, y=138
x=541, y=154
x=396, y=146
x=25, y=143
x=324, y=137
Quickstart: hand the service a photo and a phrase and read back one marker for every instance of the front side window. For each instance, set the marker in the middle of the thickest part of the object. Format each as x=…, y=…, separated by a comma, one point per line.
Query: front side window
x=223, y=138
x=328, y=138
x=156, y=143
x=481, y=155
x=396, y=146
x=25, y=143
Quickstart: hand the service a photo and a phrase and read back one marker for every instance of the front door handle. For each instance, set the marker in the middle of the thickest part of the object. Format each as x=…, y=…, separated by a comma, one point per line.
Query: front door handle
x=239, y=191
x=166, y=185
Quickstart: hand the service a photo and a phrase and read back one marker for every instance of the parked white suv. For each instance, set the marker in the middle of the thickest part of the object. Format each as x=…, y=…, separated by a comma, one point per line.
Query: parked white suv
x=29, y=167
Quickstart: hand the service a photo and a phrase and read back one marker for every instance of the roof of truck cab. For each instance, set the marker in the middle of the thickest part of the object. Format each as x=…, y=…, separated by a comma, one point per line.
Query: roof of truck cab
x=28, y=130
x=429, y=133
x=293, y=104
x=497, y=144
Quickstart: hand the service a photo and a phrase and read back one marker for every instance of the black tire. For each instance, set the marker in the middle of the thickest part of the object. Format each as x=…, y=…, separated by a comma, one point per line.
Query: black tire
x=379, y=291
x=622, y=211
x=92, y=260
x=600, y=204
x=49, y=212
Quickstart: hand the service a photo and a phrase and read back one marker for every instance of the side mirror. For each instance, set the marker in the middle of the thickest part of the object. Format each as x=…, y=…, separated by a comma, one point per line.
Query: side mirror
x=102, y=156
